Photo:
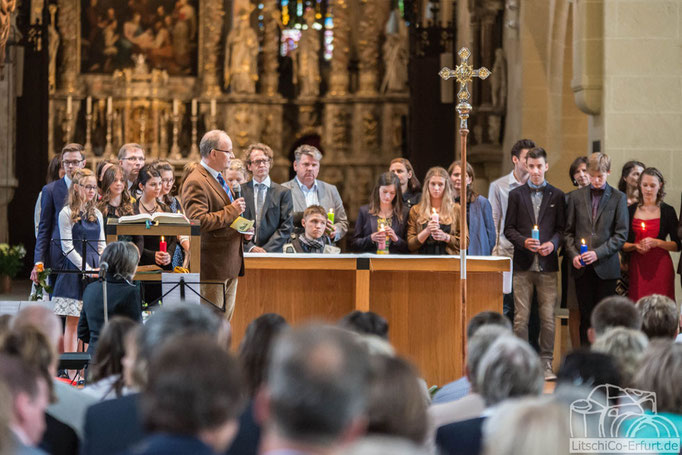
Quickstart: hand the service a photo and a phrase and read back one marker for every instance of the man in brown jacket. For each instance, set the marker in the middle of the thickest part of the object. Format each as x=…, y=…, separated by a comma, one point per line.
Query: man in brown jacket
x=208, y=198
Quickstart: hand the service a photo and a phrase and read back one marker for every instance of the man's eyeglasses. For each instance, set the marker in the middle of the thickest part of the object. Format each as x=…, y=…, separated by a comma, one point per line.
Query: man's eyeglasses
x=69, y=163
x=134, y=158
x=259, y=162
x=229, y=152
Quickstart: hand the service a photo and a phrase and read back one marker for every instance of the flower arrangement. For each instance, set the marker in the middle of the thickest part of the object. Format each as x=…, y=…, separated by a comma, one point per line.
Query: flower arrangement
x=42, y=286
x=10, y=259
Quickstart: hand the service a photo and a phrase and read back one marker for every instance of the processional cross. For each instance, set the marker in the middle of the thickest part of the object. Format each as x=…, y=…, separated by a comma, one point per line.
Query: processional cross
x=463, y=73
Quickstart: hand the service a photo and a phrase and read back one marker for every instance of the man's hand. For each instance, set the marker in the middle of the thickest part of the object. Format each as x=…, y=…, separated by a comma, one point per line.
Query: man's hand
x=257, y=249
x=239, y=204
x=576, y=262
x=34, y=274
x=589, y=257
x=546, y=249
x=162, y=258
x=531, y=244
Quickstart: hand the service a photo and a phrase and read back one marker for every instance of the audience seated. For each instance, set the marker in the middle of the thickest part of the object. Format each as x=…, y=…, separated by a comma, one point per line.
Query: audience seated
x=614, y=311
x=255, y=348
x=660, y=316
x=626, y=346
x=6, y=411
x=114, y=425
x=529, y=426
x=382, y=445
x=462, y=386
x=106, y=379
x=509, y=369
x=314, y=238
x=365, y=323
x=123, y=296
x=306, y=191
x=316, y=392
x=204, y=385
x=267, y=202
x=589, y=369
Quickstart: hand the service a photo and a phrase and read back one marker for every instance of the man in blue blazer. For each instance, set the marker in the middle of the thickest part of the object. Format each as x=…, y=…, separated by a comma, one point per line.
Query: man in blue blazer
x=534, y=225
x=268, y=203
x=306, y=190
x=48, y=251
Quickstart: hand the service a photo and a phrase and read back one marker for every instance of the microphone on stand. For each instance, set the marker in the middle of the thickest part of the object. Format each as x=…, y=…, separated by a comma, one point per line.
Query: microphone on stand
x=103, y=267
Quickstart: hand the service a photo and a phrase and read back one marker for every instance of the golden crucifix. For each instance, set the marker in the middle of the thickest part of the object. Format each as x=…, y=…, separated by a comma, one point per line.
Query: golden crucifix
x=463, y=73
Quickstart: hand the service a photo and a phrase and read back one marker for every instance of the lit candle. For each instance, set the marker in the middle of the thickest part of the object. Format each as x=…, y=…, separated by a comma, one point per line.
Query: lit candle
x=163, y=246
x=434, y=215
x=109, y=105
x=381, y=247
x=535, y=233
x=643, y=226
x=88, y=105
x=213, y=107
x=330, y=215
x=194, y=107
x=175, y=107
x=583, y=249
x=69, y=105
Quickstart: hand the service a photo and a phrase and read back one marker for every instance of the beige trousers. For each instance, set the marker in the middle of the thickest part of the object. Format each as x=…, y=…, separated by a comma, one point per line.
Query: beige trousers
x=213, y=292
x=545, y=284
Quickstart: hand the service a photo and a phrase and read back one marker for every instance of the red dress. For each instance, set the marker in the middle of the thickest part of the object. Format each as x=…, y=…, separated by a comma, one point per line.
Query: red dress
x=652, y=272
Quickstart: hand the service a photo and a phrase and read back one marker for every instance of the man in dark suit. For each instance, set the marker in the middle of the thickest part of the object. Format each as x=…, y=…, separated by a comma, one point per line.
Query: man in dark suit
x=48, y=251
x=267, y=202
x=536, y=209
x=597, y=217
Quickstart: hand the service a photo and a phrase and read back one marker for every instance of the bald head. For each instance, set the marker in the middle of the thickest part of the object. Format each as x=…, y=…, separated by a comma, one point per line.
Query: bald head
x=43, y=319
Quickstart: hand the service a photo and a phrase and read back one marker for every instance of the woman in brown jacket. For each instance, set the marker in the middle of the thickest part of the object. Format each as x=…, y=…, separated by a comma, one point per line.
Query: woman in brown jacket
x=433, y=224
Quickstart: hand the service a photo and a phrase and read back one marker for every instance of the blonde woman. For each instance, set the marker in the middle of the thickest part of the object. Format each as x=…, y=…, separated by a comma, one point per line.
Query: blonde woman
x=433, y=224
x=81, y=230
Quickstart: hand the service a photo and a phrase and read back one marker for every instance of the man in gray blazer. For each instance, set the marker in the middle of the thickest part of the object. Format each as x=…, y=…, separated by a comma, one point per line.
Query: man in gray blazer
x=598, y=215
x=306, y=190
x=268, y=203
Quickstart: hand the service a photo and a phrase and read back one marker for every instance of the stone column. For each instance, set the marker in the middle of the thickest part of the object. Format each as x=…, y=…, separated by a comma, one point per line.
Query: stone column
x=8, y=127
x=368, y=49
x=210, y=27
x=70, y=44
x=339, y=80
x=271, y=23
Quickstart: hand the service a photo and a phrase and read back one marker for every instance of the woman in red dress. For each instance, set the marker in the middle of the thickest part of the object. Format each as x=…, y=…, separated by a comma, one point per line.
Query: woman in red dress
x=652, y=221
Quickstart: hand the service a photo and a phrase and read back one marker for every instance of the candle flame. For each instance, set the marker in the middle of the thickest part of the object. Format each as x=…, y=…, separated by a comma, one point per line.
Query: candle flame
x=535, y=227
x=433, y=210
x=383, y=227
x=163, y=239
x=643, y=226
x=582, y=241
x=331, y=210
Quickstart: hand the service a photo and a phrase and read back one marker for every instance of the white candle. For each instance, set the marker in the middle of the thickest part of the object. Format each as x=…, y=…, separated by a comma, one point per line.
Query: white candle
x=194, y=107
x=175, y=107
x=213, y=107
x=69, y=105
x=434, y=215
x=88, y=105
x=110, y=107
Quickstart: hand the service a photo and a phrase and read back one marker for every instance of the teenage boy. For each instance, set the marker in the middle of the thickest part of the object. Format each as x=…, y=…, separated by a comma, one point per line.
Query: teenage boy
x=534, y=225
x=313, y=239
x=597, y=217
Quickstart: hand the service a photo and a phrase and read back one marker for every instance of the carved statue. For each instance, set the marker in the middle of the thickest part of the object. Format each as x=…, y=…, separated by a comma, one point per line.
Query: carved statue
x=6, y=9
x=494, y=124
x=499, y=80
x=241, y=56
x=368, y=49
x=395, y=54
x=306, y=59
x=339, y=78
x=53, y=47
x=272, y=23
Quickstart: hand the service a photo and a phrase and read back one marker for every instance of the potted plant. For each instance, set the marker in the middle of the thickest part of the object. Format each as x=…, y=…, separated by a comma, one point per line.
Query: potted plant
x=10, y=264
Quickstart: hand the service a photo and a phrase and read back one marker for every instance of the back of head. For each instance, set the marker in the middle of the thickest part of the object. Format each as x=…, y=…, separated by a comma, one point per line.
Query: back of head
x=626, y=346
x=34, y=349
x=122, y=259
x=510, y=368
x=586, y=368
x=615, y=311
x=18, y=376
x=366, y=323
x=256, y=346
x=478, y=345
x=660, y=371
x=381, y=445
x=111, y=349
x=203, y=380
x=318, y=381
x=528, y=426
x=660, y=316
x=487, y=318
x=397, y=400
x=43, y=319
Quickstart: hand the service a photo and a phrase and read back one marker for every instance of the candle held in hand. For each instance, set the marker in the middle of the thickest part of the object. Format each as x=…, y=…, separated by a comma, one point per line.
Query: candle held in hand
x=434, y=215
x=583, y=249
x=330, y=215
x=381, y=246
x=535, y=233
x=163, y=246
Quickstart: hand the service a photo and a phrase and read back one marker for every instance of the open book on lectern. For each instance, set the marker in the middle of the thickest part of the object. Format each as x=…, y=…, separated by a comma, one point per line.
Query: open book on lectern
x=161, y=217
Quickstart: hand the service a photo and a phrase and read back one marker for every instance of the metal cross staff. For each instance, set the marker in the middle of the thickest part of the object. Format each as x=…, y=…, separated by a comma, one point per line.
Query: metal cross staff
x=463, y=73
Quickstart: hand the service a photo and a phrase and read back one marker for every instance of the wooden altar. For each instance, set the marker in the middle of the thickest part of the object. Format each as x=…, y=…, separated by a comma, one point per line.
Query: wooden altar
x=418, y=295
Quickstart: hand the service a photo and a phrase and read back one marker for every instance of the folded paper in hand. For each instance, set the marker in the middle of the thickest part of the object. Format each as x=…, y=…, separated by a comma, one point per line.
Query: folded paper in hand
x=242, y=225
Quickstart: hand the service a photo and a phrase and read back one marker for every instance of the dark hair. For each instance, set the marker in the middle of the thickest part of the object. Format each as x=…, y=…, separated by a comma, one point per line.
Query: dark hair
x=521, y=145
x=587, y=368
x=53, y=169
x=126, y=207
x=386, y=179
x=413, y=183
x=255, y=348
x=147, y=172
x=110, y=352
x=574, y=168
x=615, y=311
x=660, y=316
x=193, y=385
x=33, y=347
x=471, y=194
x=536, y=153
x=100, y=167
x=366, y=323
x=161, y=166
x=627, y=168
x=653, y=172
x=486, y=318
x=397, y=401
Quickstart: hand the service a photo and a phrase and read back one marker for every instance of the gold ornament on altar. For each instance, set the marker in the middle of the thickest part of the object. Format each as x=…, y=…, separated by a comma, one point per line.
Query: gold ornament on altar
x=464, y=73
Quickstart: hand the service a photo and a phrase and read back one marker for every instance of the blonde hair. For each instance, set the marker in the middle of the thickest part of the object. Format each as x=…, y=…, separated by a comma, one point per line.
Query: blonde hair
x=238, y=165
x=447, y=213
x=80, y=207
x=599, y=162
